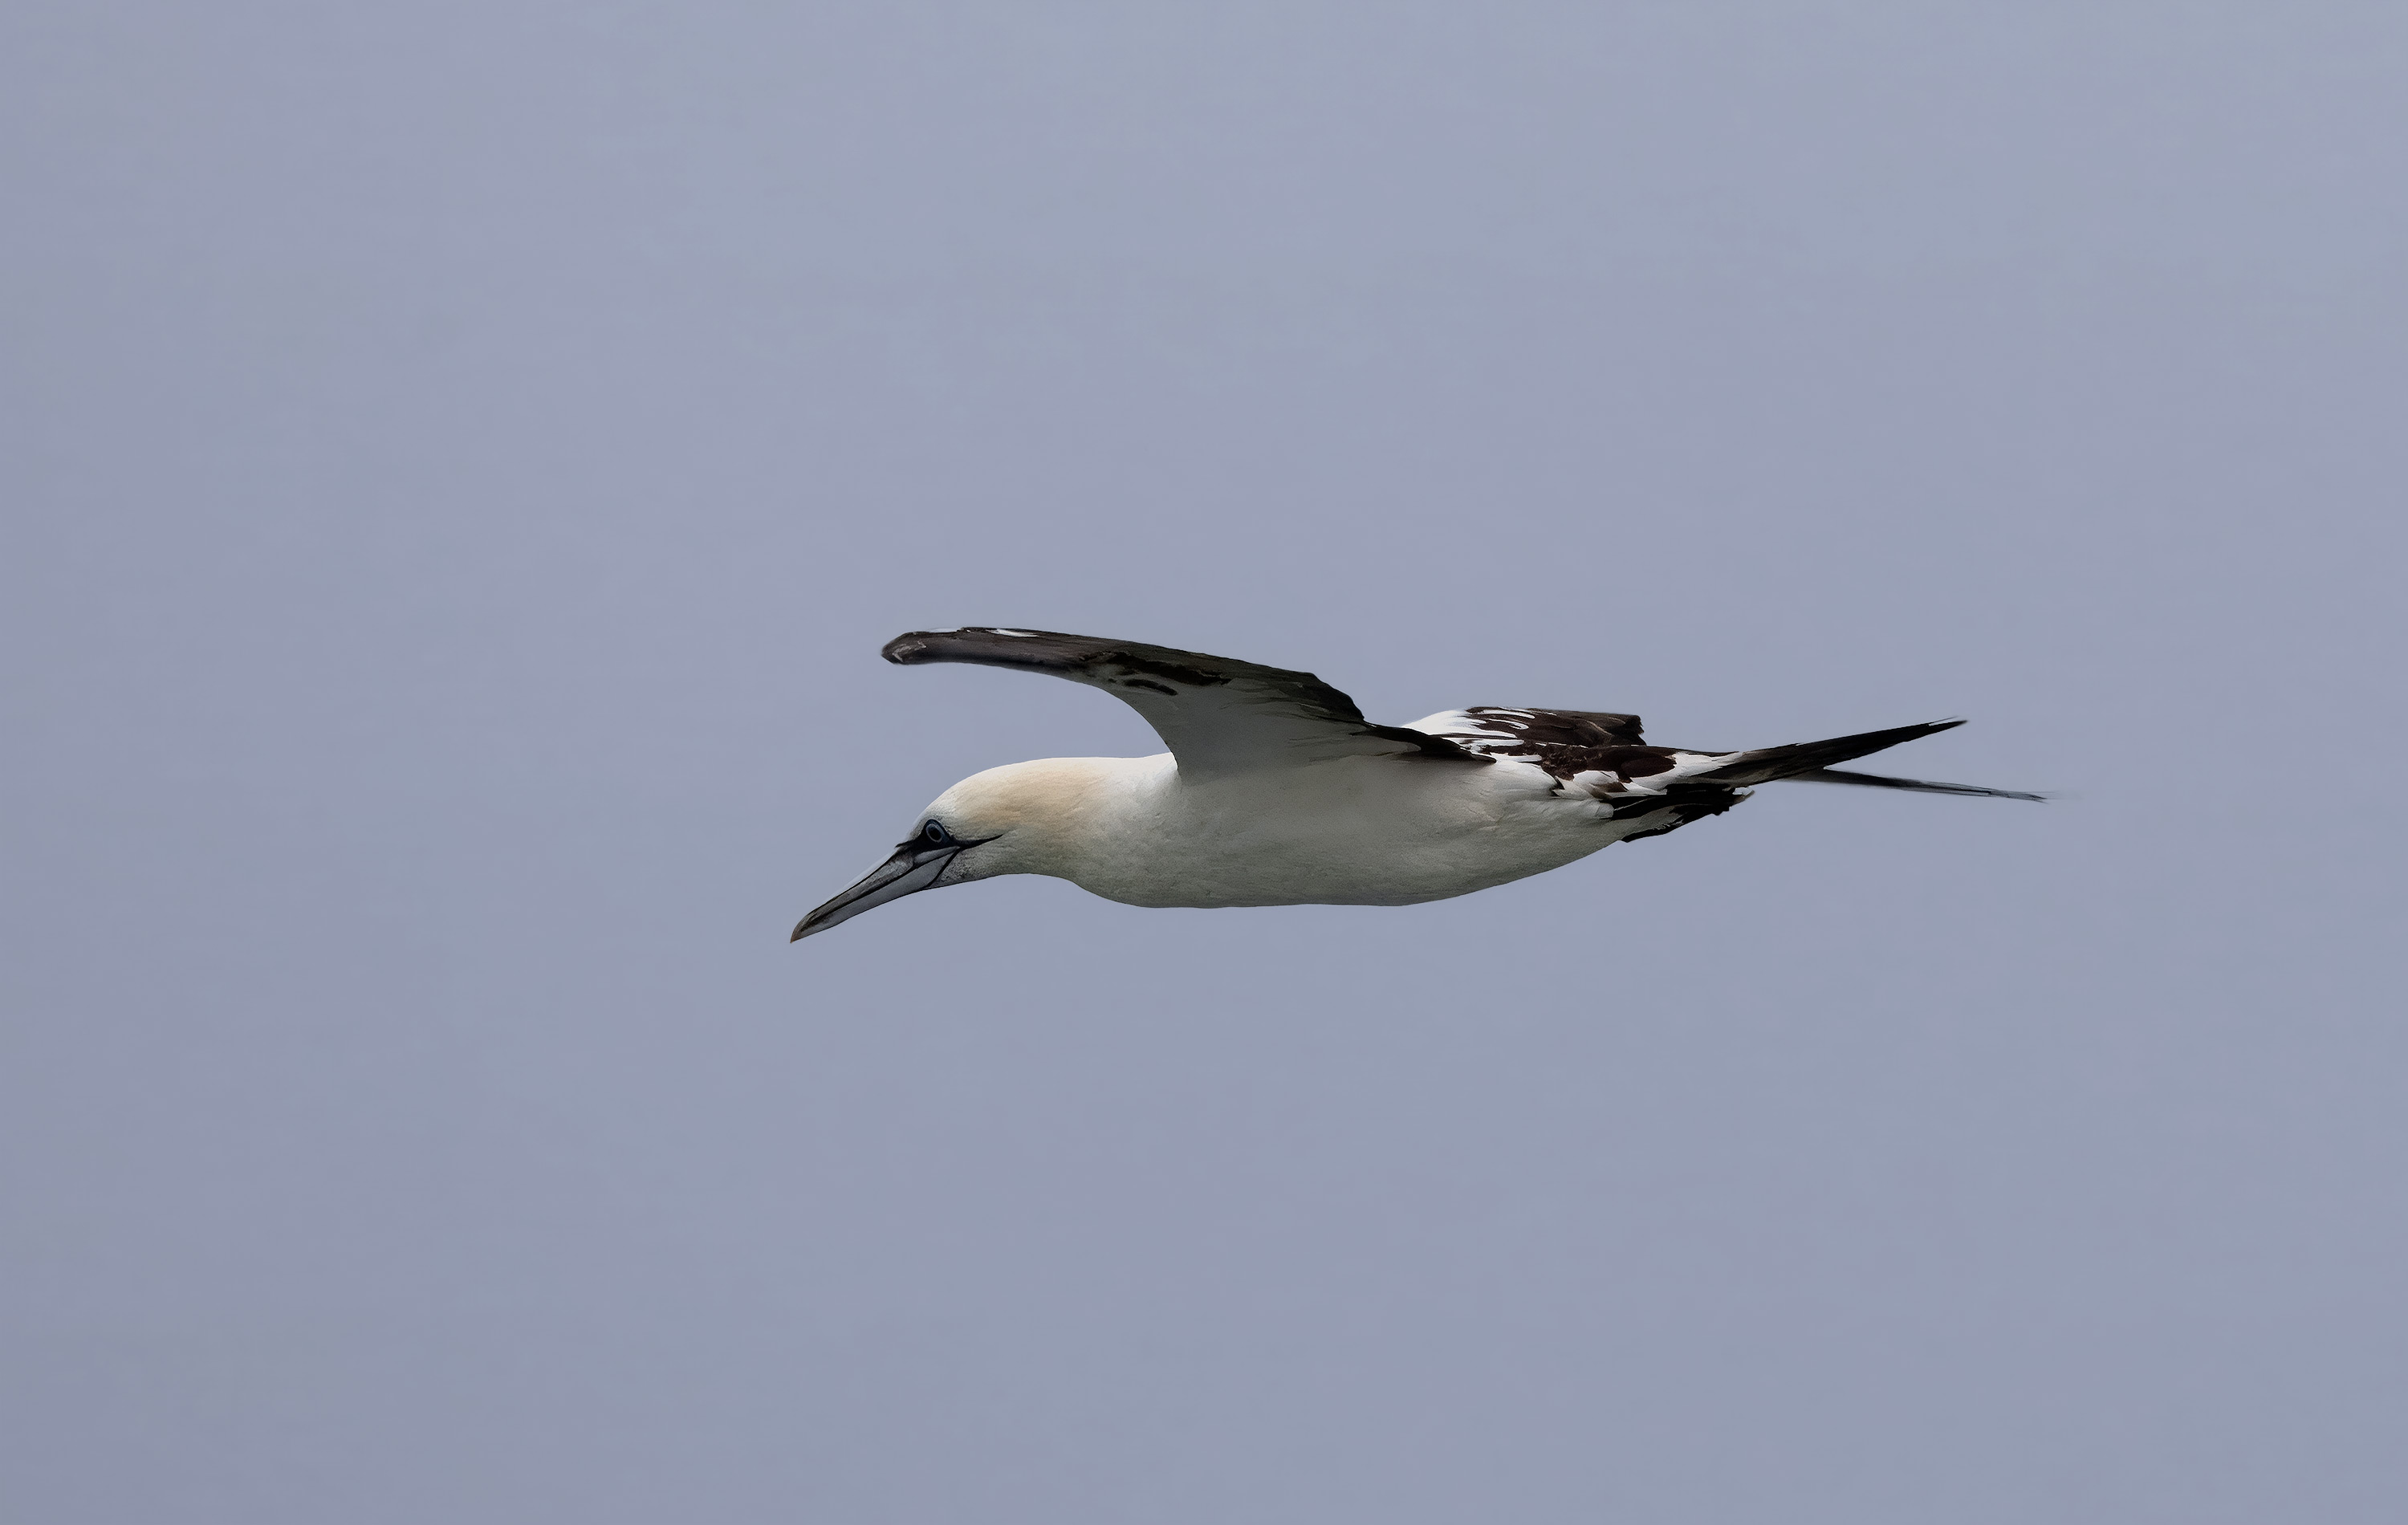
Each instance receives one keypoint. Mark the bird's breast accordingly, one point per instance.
(1367, 831)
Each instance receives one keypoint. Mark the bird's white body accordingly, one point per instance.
(1346, 832)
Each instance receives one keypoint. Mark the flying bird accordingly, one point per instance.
(1276, 791)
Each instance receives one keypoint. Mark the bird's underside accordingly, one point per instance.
(1278, 791)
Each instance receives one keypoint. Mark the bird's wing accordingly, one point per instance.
(1217, 715)
(1586, 751)
(1562, 742)
(1592, 752)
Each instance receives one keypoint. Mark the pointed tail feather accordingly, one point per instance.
(1769, 763)
(1877, 781)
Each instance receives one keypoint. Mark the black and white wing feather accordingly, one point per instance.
(1606, 755)
(1567, 744)
(1600, 756)
(1216, 714)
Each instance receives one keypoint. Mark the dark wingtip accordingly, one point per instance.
(976, 643)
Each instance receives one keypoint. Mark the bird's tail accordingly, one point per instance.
(1811, 762)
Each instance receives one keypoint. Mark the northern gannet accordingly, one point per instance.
(1276, 791)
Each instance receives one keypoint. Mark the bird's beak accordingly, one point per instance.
(911, 869)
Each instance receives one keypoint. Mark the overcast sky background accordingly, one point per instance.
(462, 461)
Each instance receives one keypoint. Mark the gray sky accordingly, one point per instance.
(462, 461)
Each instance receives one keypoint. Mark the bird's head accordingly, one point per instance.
(1005, 820)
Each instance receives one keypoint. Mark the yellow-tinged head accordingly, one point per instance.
(1026, 817)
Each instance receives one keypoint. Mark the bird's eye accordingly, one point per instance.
(933, 834)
